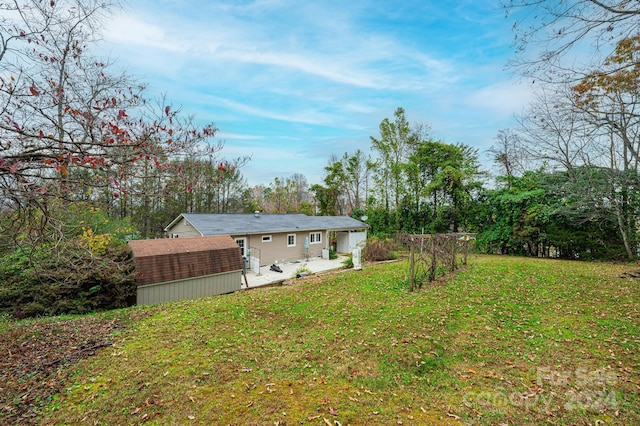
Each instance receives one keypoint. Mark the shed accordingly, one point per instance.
(186, 268)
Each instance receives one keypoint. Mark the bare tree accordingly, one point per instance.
(66, 121)
(508, 153)
(594, 140)
(549, 32)
(553, 132)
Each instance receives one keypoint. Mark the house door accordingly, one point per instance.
(242, 243)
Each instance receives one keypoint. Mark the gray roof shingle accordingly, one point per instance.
(241, 224)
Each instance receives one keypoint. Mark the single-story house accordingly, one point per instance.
(186, 268)
(272, 238)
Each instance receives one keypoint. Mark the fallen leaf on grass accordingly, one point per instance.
(146, 404)
(453, 416)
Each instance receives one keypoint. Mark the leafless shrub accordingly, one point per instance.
(377, 250)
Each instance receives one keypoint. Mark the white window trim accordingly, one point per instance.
(267, 238)
(294, 240)
(319, 241)
(243, 248)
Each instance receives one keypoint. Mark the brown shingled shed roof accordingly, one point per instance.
(172, 259)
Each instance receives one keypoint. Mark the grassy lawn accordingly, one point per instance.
(505, 341)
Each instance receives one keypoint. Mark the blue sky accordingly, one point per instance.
(292, 82)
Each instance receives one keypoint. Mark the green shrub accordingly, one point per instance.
(33, 309)
(302, 271)
(348, 262)
(332, 254)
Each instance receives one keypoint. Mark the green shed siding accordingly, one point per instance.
(189, 288)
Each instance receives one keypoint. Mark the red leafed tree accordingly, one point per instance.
(68, 124)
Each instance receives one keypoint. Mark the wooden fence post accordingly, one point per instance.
(412, 261)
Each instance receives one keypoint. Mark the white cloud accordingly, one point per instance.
(348, 57)
(232, 136)
(292, 82)
(307, 116)
(129, 30)
(504, 98)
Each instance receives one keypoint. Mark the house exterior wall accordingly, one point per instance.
(347, 241)
(183, 229)
(277, 250)
(189, 288)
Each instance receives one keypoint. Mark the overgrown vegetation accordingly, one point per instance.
(547, 214)
(87, 269)
(380, 249)
(506, 341)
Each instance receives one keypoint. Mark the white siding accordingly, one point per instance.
(347, 241)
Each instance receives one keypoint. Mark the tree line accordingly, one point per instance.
(568, 182)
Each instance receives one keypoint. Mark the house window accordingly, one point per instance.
(291, 240)
(266, 238)
(242, 243)
(315, 237)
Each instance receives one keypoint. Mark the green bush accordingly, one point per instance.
(302, 271)
(333, 254)
(348, 262)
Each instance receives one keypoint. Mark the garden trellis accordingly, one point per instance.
(431, 255)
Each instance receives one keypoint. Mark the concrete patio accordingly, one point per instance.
(289, 270)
